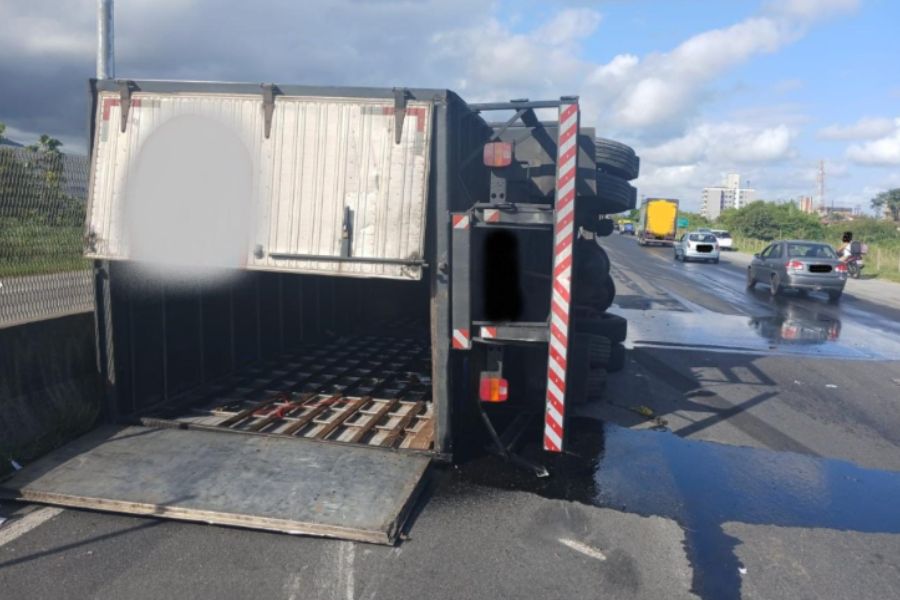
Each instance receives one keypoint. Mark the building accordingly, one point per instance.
(806, 205)
(839, 213)
(729, 195)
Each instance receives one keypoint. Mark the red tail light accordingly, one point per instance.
(789, 332)
(794, 265)
(841, 268)
(493, 388)
(498, 154)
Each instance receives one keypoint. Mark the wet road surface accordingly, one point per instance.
(782, 414)
(751, 448)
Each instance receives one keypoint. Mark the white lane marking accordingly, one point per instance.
(371, 589)
(292, 586)
(346, 555)
(582, 548)
(20, 527)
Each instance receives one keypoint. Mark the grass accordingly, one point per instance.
(882, 261)
(34, 249)
(748, 245)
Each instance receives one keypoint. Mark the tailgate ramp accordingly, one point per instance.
(272, 483)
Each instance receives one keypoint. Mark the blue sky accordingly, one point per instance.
(763, 88)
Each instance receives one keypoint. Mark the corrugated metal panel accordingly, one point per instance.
(324, 155)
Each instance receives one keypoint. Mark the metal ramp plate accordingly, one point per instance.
(260, 482)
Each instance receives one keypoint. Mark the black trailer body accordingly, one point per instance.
(348, 343)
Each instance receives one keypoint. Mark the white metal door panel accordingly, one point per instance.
(323, 156)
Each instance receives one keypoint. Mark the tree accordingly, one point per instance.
(767, 221)
(888, 203)
(47, 146)
(695, 220)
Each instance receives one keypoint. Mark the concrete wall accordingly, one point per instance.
(49, 386)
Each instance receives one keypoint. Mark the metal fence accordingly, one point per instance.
(43, 195)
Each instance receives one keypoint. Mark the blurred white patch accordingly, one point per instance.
(188, 201)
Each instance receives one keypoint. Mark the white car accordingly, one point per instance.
(696, 245)
(725, 241)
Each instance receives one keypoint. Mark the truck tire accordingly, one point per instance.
(594, 296)
(616, 358)
(595, 385)
(599, 351)
(608, 325)
(593, 261)
(614, 194)
(616, 158)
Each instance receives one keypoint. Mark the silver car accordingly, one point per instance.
(697, 245)
(798, 265)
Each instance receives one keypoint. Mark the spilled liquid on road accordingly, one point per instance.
(790, 332)
(702, 486)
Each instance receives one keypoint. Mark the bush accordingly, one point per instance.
(766, 221)
(871, 231)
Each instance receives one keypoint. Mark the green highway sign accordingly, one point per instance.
(682, 222)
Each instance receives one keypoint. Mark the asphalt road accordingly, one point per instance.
(768, 468)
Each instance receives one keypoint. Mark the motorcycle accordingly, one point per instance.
(855, 265)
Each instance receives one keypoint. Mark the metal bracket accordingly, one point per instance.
(401, 95)
(125, 89)
(268, 93)
(506, 449)
(347, 232)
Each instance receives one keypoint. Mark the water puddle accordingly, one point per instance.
(702, 486)
(793, 330)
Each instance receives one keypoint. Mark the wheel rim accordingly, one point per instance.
(773, 285)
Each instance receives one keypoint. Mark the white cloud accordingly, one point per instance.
(883, 152)
(724, 143)
(810, 10)
(867, 128)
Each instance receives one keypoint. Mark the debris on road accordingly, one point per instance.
(644, 411)
(582, 548)
(647, 413)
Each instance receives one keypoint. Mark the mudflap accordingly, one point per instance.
(289, 485)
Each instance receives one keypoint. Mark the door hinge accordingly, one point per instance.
(125, 89)
(401, 95)
(269, 91)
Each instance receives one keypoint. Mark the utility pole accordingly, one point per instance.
(106, 66)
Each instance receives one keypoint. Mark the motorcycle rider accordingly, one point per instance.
(844, 250)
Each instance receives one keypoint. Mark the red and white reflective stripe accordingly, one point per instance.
(492, 215)
(460, 221)
(461, 339)
(564, 233)
(489, 333)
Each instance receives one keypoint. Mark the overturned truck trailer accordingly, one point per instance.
(305, 295)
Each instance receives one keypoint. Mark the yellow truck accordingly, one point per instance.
(657, 222)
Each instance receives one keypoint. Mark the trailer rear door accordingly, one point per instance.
(260, 482)
(293, 183)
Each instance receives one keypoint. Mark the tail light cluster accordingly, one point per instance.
(498, 154)
(840, 268)
(794, 265)
(493, 387)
